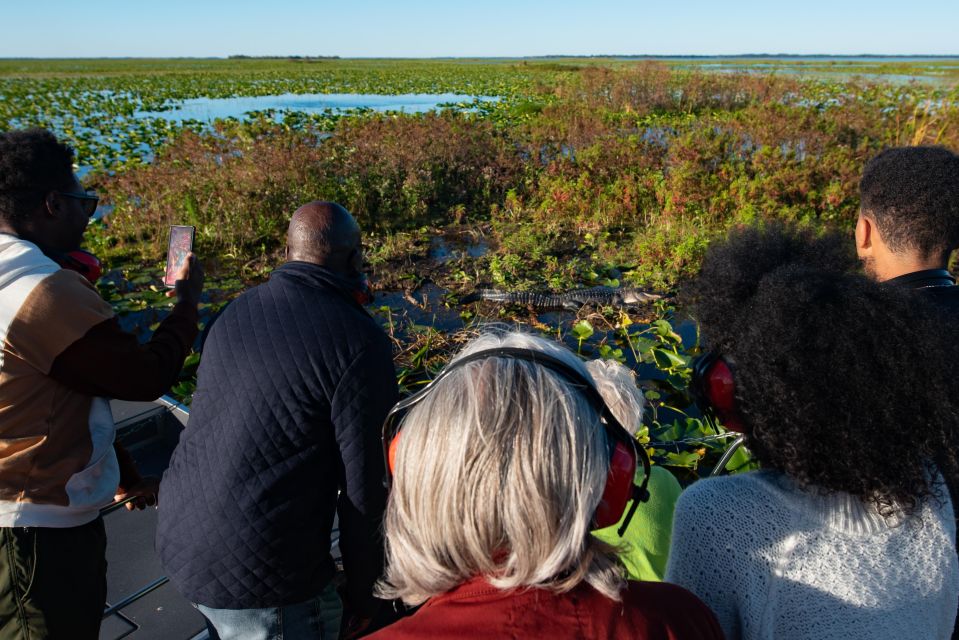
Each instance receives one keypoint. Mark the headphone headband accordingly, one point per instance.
(611, 425)
(516, 353)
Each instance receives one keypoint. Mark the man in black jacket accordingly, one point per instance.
(295, 382)
(909, 221)
(909, 225)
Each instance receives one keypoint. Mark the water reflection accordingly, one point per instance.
(209, 109)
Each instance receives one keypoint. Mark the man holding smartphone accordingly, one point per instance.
(295, 382)
(63, 356)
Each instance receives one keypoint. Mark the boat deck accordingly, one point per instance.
(149, 431)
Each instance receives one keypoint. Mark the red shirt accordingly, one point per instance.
(476, 609)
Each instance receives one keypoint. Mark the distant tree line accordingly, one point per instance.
(240, 56)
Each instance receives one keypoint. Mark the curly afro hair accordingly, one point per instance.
(912, 193)
(842, 383)
(32, 163)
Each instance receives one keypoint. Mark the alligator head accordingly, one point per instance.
(630, 297)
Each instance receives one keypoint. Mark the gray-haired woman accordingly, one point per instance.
(499, 471)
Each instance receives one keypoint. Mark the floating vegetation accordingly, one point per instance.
(584, 172)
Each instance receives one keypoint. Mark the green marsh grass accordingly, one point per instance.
(585, 172)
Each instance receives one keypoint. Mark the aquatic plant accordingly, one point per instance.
(584, 172)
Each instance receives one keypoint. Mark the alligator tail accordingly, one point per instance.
(529, 298)
(568, 300)
(490, 295)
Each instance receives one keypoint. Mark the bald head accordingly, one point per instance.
(325, 233)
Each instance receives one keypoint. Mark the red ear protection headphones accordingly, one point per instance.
(83, 262)
(625, 453)
(363, 294)
(714, 390)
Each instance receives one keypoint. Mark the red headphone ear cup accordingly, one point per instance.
(83, 262)
(391, 454)
(721, 391)
(619, 486)
(91, 265)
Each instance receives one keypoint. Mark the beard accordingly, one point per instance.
(869, 266)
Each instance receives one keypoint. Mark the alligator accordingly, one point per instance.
(571, 300)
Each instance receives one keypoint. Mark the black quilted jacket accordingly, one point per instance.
(938, 285)
(295, 381)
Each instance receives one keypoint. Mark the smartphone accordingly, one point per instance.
(181, 243)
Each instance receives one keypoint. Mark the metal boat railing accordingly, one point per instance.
(720, 466)
(182, 414)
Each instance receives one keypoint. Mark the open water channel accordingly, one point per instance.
(209, 109)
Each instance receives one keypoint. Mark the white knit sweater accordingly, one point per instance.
(773, 561)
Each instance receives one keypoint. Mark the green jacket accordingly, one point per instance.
(645, 544)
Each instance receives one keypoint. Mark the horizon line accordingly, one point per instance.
(241, 56)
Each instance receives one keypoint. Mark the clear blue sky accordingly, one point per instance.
(426, 28)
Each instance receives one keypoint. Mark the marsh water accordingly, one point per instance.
(933, 70)
(209, 109)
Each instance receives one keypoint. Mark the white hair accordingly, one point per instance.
(499, 471)
(617, 384)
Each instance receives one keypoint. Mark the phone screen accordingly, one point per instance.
(181, 243)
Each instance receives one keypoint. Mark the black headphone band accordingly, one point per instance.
(527, 355)
(702, 362)
(611, 425)
(701, 366)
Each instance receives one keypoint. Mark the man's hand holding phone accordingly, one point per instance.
(183, 271)
(189, 281)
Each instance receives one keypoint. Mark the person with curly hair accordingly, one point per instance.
(63, 356)
(842, 392)
(909, 220)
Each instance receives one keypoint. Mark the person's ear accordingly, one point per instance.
(356, 260)
(51, 205)
(286, 253)
(865, 235)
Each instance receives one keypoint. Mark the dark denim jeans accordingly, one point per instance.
(318, 618)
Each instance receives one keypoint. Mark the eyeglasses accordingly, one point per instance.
(88, 200)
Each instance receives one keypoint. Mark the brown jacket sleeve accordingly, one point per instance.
(111, 363)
